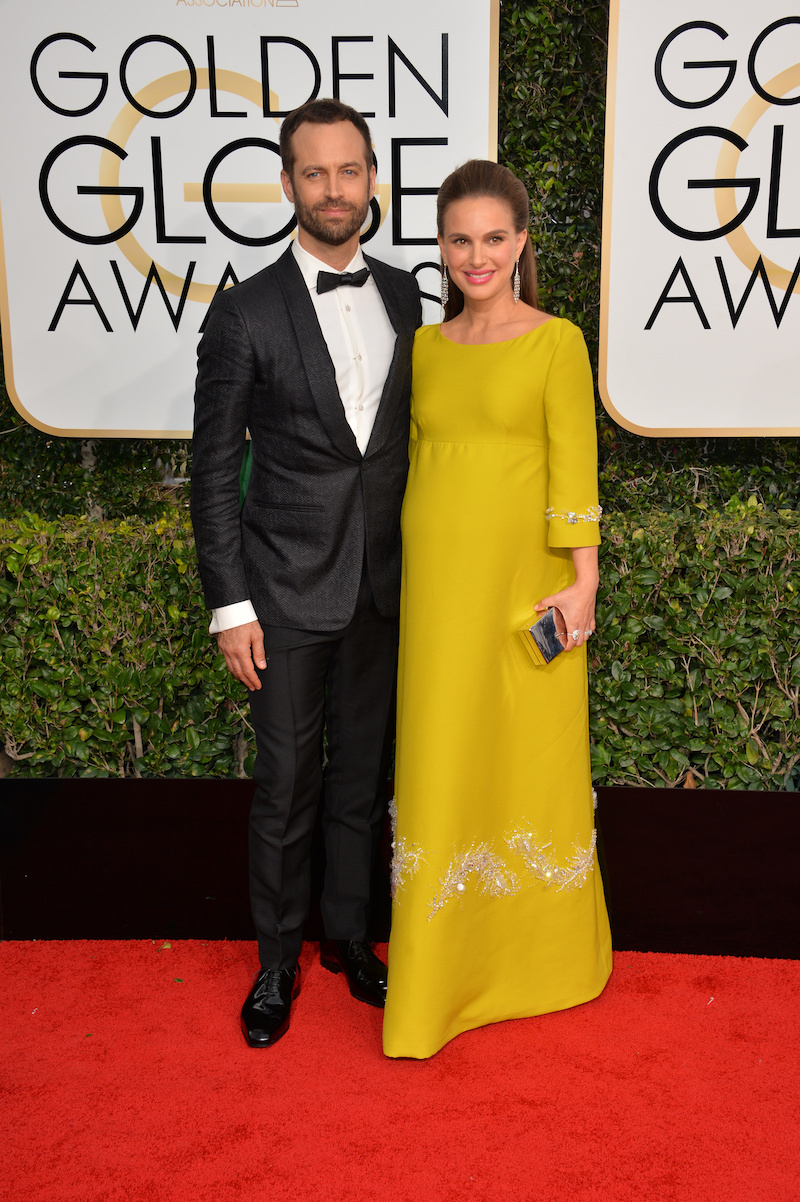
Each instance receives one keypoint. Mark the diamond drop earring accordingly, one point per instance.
(516, 283)
(445, 285)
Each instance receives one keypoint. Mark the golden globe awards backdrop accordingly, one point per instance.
(139, 172)
(700, 324)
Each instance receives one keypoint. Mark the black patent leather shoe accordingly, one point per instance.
(266, 1012)
(366, 974)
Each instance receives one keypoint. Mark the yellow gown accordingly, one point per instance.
(498, 907)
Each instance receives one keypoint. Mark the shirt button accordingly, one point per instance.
(359, 358)
(360, 407)
(347, 308)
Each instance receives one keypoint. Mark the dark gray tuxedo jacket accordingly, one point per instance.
(314, 502)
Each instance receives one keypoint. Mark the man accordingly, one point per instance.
(313, 356)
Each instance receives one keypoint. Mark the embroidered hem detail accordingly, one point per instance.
(407, 857)
(491, 874)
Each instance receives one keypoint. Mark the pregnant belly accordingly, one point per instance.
(467, 492)
(475, 536)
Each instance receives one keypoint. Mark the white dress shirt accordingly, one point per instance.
(360, 340)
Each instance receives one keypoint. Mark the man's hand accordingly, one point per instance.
(243, 646)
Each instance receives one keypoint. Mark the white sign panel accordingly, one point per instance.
(139, 173)
(700, 328)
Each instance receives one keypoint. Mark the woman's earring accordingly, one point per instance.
(445, 286)
(516, 283)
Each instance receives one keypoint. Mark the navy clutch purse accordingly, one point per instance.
(546, 638)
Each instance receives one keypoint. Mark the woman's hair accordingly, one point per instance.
(480, 177)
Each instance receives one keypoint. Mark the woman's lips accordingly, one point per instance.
(478, 277)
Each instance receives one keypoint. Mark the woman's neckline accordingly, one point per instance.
(501, 341)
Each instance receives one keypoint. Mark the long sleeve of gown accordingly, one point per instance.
(573, 513)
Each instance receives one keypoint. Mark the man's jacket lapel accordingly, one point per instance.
(316, 358)
(392, 389)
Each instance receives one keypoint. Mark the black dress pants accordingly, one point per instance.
(346, 679)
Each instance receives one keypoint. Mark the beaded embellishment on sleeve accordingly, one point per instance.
(592, 514)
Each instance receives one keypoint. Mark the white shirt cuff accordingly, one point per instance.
(227, 616)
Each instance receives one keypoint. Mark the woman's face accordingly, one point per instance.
(480, 246)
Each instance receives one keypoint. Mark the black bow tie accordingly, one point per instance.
(328, 280)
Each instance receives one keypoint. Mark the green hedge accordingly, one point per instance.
(107, 667)
(695, 669)
(696, 672)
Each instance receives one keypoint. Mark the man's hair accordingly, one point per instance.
(321, 112)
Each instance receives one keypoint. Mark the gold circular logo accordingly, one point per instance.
(744, 124)
(123, 126)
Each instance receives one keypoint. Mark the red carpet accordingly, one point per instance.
(125, 1077)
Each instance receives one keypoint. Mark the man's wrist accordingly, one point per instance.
(224, 617)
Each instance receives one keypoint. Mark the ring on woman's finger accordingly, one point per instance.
(576, 634)
(586, 633)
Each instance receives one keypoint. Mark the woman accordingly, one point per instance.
(499, 910)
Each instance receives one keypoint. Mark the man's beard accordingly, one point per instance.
(332, 232)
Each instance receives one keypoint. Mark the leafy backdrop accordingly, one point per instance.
(105, 661)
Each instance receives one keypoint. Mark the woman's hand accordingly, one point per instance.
(576, 602)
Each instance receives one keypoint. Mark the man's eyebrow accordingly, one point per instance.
(321, 167)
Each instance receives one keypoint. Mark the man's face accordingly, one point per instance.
(330, 186)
